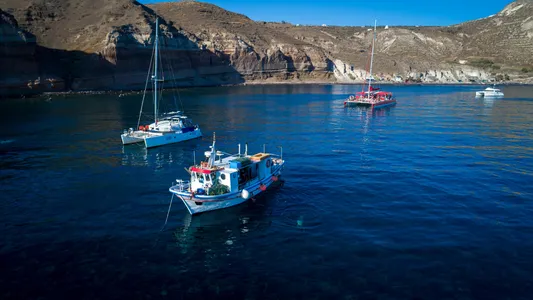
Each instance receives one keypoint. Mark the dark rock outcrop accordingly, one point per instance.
(17, 56)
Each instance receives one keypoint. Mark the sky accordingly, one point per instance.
(358, 13)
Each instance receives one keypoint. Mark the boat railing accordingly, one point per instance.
(181, 185)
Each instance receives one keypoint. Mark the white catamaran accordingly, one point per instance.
(490, 92)
(224, 182)
(168, 128)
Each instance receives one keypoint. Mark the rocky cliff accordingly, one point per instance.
(17, 50)
(103, 45)
(107, 45)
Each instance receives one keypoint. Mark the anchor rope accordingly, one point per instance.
(168, 213)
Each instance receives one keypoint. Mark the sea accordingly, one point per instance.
(429, 199)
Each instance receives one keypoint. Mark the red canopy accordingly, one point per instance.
(204, 171)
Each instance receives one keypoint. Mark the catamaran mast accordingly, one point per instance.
(155, 69)
(372, 58)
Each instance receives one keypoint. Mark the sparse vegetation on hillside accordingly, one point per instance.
(482, 63)
(202, 35)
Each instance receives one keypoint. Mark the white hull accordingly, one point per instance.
(202, 203)
(194, 208)
(489, 95)
(130, 139)
(170, 138)
(154, 139)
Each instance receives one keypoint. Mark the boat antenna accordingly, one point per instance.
(194, 157)
(246, 149)
(239, 149)
(212, 157)
(372, 58)
(155, 68)
(264, 148)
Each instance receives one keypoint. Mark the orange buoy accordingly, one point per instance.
(263, 187)
(274, 178)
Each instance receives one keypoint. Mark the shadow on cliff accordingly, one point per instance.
(124, 66)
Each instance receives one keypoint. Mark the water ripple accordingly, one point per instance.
(429, 199)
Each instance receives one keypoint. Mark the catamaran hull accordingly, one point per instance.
(151, 140)
(489, 95)
(199, 203)
(171, 138)
(128, 139)
(366, 104)
(385, 104)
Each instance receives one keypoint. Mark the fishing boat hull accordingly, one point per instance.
(196, 204)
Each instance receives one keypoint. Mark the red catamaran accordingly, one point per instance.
(372, 97)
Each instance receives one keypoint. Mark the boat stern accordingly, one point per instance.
(128, 139)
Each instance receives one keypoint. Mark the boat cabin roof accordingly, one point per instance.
(224, 163)
(375, 93)
(492, 89)
(259, 156)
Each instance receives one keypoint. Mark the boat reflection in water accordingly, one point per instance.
(366, 113)
(223, 230)
(138, 156)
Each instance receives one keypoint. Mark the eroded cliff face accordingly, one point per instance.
(260, 50)
(107, 45)
(17, 51)
(251, 48)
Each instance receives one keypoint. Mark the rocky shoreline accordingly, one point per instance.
(94, 46)
(252, 83)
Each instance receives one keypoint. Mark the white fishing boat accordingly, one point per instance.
(228, 180)
(490, 92)
(372, 97)
(167, 128)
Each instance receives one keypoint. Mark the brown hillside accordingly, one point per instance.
(506, 37)
(102, 44)
(76, 25)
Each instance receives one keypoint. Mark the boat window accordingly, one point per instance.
(200, 178)
(223, 176)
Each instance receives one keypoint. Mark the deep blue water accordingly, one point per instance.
(430, 199)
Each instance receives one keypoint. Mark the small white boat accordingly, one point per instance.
(225, 182)
(489, 92)
(171, 127)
